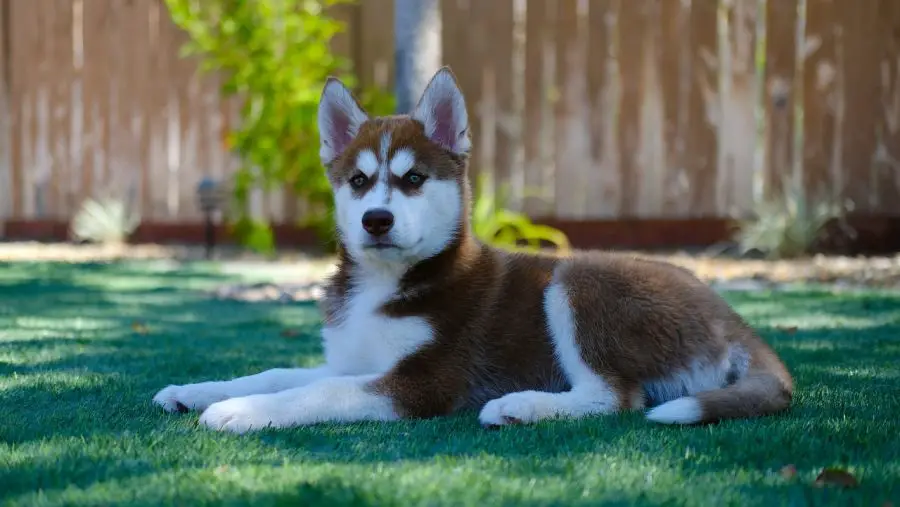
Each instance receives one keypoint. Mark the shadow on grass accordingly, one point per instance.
(77, 399)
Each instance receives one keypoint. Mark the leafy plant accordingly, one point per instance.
(788, 225)
(497, 225)
(106, 221)
(274, 55)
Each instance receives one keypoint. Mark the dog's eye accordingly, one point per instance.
(358, 181)
(413, 178)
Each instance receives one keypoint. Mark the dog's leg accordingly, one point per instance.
(591, 393)
(200, 396)
(334, 399)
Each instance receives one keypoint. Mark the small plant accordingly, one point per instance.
(275, 55)
(106, 221)
(787, 226)
(497, 225)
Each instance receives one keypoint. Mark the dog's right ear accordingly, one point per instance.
(340, 117)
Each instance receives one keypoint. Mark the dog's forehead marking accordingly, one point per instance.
(367, 162)
(402, 161)
(384, 147)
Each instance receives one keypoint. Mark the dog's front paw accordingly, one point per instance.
(189, 397)
(240, 415)
(515, 408)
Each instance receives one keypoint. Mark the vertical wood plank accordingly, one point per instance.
(887, 152)
(538, 39)
(158, 173)
(60, 109)
(7, 192)
(117, 146)
(856, 108)
(471, 80)
(45, 192)
(141, 104)
(27, 28)
(675, 78)
(651, 164)
(781, 61)
(572, 118)
(602, 181)
(375, 66)
(96, 99)
(702, 146)
(821, 88)
(497, 81)
(632, 32)
(76, 105)
(737, 99)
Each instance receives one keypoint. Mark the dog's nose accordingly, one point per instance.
(377, 221)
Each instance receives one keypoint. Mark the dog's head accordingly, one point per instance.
(399, 182)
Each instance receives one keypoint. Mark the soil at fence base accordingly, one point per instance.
(871, 235)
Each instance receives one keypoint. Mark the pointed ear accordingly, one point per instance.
(340, 117)
(442, 109)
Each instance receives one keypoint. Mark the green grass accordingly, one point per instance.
(77, 426)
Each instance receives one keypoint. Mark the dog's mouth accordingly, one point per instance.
(381, 246)
(386, 244)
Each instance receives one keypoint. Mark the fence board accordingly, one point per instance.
(7, 192)
(852, 170)
(781, 61)
(538, 44)
(602, 181)
(887, 153)
(821, 88)
(702, 146)
(571, 117)
(499, 93)
(633, 26)
(737, 101)
(675, 78)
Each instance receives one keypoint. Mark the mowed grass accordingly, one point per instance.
(83, 348)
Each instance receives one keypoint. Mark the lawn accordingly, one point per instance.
(83, 348)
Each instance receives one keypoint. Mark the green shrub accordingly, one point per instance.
(788, 225)
(274, 55)
(495, 224)
(107, 222)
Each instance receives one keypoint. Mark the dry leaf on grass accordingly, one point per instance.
(836, 477)
(788, 329)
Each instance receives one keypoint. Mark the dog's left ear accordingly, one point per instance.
(442, 109)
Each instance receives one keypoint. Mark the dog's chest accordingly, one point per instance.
(366, 341)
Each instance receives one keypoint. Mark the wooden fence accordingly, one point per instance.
(611, 108)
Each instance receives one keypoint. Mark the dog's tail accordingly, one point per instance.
(764, 390)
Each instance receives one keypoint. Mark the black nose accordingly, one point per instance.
(377, 221)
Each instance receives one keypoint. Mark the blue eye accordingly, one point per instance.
(413, 178)
(358, 181)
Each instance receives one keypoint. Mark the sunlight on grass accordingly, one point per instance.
(77, 425)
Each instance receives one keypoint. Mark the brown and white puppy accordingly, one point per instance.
(421, 319)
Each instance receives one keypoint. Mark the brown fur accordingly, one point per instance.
(638, 321)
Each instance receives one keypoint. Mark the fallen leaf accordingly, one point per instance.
(789, 471)
(836, 477)
(139, 327)
(788, 329)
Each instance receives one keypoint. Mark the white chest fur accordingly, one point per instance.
(366, 341)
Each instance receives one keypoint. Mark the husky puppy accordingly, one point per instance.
(421, 319)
